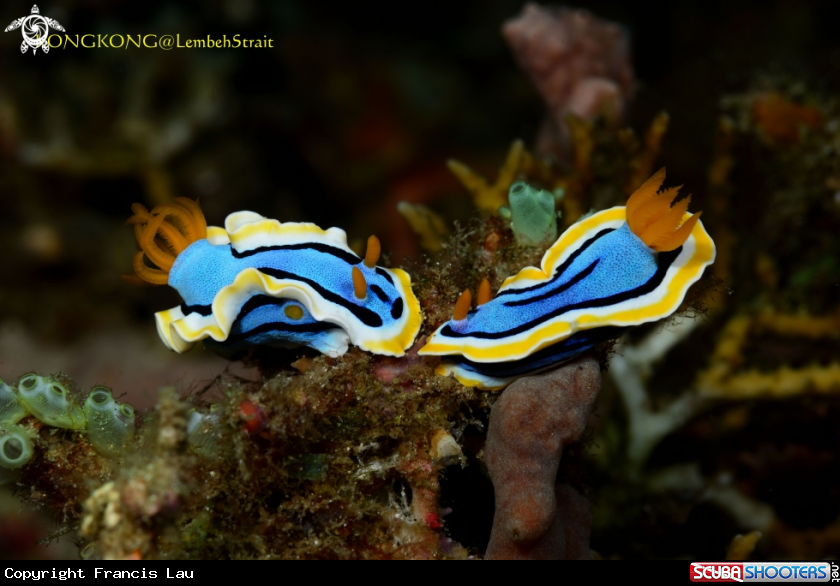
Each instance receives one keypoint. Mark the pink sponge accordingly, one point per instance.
(530, 424)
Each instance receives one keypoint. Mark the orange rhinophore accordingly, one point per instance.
(484, 294)
(654, 220)
(359, 284)
(374, 249)
(162, 235)
(462, 306)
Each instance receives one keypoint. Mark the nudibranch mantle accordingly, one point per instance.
(598, 278)
(293, 278)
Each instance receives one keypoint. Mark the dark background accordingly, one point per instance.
(354, 109)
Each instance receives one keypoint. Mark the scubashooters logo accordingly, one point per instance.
(799, 572)
(35, 29)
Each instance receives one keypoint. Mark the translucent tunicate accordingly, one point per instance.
(49, 401)
(87, 551)
(532, 214)
(15, 447)
(110, 425)
(204, 432)
(11, 410)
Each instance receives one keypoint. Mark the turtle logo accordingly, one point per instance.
(35, 29)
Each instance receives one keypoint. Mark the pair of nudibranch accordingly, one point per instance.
(108, 424)
(259, 281)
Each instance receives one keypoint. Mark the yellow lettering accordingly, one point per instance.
(83, 42)
(50, 43)
(148, 46)
(130, 40)
(111, 41)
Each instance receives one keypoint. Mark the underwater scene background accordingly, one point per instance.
(710, 433)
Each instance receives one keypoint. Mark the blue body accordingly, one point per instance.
(611, 267)
(202, 269)
(607, 266)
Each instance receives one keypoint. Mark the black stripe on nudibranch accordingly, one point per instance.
(384, 274)
(379, 293)
(561, 269)
(347, 257)
(663, 261)
(280, 327)
(397, 308)
(258, 301)
(204, 310)
(247, 307)
(363, 314)
(564, 287)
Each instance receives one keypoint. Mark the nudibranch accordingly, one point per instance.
(259, 281)
(618, 268)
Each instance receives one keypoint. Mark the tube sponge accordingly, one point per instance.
(15, 447)
(11, 411)
(48, 400)
(110, 424)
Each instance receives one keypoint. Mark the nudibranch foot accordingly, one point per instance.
(497, 375)
(615, 269)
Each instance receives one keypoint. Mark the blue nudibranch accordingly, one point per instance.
(257, 281)
(618, 268)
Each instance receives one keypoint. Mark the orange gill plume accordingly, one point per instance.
(161, 235)
(654, 220)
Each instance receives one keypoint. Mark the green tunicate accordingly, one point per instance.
(11, 410)
(532, 214)
(204, 432)
(15, 447)
(110, 425)
(48, 400)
